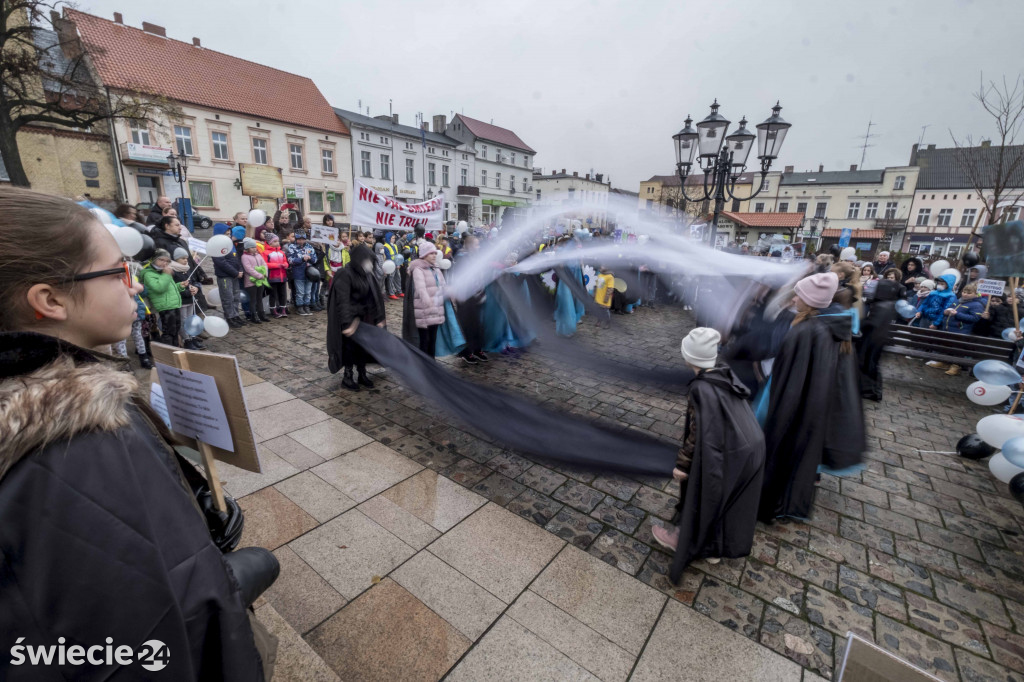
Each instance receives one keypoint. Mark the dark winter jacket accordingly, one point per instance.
(1000, 317)
(968, 313)
(229, 265)
(99, 533)
(295, 254)
(718, 505)
(354, 294)
(169, 243)
(907, 275)
(155, 214)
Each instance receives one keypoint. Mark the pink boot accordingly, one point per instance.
(666, 537)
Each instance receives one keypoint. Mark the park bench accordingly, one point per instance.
(960, 349)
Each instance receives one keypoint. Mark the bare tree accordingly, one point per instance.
(51, 82)
(994, 169)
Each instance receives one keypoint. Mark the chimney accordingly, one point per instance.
(426, 126)
(575, 174)
(931, 146)
(440, 123)
(118, 19)
(563, 171)
(394, 118)
(821, 168)
(195, 41)
(600, 177)
(789, 169)
(54, 17)
(853, 166)
(588, 176)
(154, 29)
(984, 144)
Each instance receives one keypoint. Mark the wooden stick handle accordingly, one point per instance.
(209, 462)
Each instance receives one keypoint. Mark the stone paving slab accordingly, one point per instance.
(921, 547)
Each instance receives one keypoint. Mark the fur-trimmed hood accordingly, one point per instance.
(60, 391)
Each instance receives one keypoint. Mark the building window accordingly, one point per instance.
(513, 157)
(764, 185)
(497, 155)
(945, 217)
(316, 201)
(327, 161)
(337, 203)
(784, 207)
(259, 151)
(365, 162)
(954, 252)
(968, 218)
(759, 207)
(483, 178)
(853, 212)
(512, 183)
(872, 211)
(140, 135)
(201, 194)
(923, 215)
(890, 210)
(526, 162)
(183, 139)
(410, 170)
(220, 146)
(299, 203)
(483, 151)
(464, 177)
(295, 155)
(1011, 213)
(819, 209)
(432, 174)
(802, 208)
(497, 180)
(901, 180)
(538, 196)
(385, 166)
(572, 195)
(524, 184)
(444, 176)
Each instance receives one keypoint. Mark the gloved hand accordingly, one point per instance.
(225, 527)
(255, 569)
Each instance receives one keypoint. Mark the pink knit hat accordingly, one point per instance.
(817, 290)
(426, 248)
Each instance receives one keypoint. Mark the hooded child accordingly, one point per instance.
(720, 464)
(931, 311)
(875, 334)
(353, 299)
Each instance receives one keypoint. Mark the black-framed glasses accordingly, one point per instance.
(125, 271)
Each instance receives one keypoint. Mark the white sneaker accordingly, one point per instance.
(937, 365)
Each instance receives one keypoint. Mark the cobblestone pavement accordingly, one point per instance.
(921, 552)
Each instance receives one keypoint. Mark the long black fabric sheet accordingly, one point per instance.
(516, 422)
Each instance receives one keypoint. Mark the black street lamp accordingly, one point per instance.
(179, 167)
(723, 165)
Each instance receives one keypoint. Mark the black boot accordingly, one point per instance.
(146, 361)
(363, 379)
(263, 316)
(347, 382)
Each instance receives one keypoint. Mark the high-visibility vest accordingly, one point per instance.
(392, 251)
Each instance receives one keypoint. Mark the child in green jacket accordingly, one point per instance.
(164, 295)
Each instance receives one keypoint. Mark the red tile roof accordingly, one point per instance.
(857, 234)
(494, 133)
(765, 219)
(128, 58)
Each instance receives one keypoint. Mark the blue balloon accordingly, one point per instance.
(996, 372)
(399, 259)
(905, 310)
(1013, 451)
(193, 326)
(244, 298)
(1009, 334)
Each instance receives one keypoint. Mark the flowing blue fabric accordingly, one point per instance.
(528, 333)
(568, 311)
(497, 331)
(449, 336)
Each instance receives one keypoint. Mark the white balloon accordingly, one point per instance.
(219, 245)
(952, 271)
(938, 267)
(389, 267)
(462, 226)
(981, 393)
(128, 239)
(215, 326)
(1002, 469)
(256, 218)
(102, 216)
(213, 296)
(996, 429)
(444, 264)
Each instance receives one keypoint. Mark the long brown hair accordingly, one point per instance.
(803, 312)
(46, 240)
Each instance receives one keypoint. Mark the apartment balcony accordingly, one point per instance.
(467, 191)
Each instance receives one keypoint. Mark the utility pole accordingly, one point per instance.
(864, 147)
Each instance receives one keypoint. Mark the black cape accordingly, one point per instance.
(718, 509)
(845, 440)
(875, 331)
(797, 420)
(353, 294)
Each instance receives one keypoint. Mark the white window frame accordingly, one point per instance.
(853, 211)
(385, 166)
(891, 209)
(444, 176)
(524, 184)
(900, 182)
(338, 205)
(968, 217)
(327, 161)
(297, 150)
(140, 134)
(183, 140)
(759, 207)
(191, 195)
(497, 180)
(218, 144)
(944, 218)
(512, 158)
(464, 177)
(258, 151)
(820, 209)
(410, 170)
(804, 210)
(432, 174)
(923, 216)
(871, 212)
(366, 164)
(483, 177)
(309, 198)
(784, 207)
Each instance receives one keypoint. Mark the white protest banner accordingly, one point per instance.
(991, 287)
(197, 245)
(372, 209)
(321, 234)
(194, 406)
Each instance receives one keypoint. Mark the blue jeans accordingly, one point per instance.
(302, 289)
(314, 293)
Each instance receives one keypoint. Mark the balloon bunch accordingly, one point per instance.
(998, 435)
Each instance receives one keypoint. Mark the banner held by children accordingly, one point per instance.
(371, 209)
(321, 234)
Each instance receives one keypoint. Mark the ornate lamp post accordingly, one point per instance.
(179, 167)
(722, 165)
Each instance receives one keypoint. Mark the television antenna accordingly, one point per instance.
(864, 147)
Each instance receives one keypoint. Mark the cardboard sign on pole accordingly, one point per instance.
(991, 287)
(224, 371)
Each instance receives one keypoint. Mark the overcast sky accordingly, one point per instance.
(594, 84)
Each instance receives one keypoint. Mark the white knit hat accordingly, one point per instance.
(700, 347)
(927, 284)
(849, 253)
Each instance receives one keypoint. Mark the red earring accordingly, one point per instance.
(40, 316)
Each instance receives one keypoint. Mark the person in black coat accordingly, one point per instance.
(354, 297)
(876, 329)
(101, 533)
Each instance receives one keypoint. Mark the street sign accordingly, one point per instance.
(844, 237)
